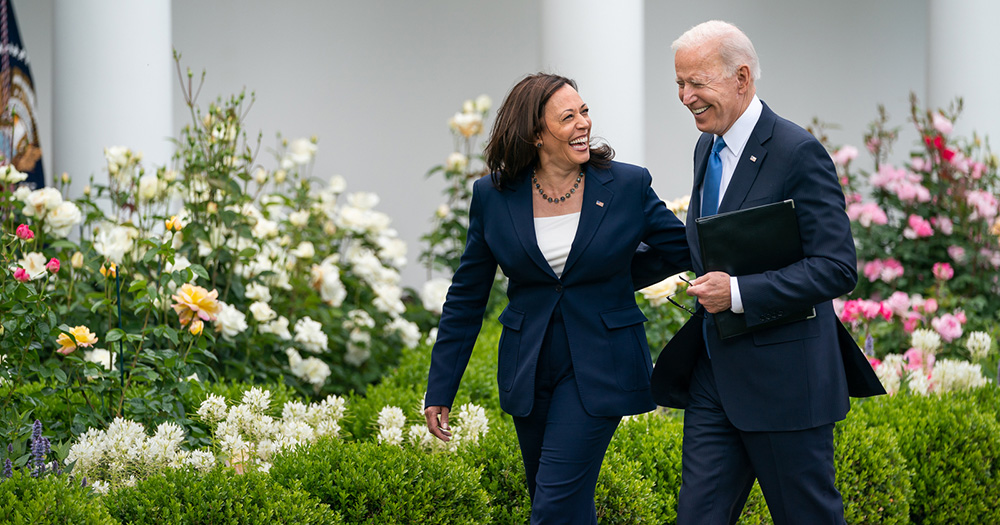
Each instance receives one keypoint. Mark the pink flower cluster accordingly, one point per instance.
(984, 205)
(886, 270)
(857, 310)
(904, 184)
(866, 214)
(844, 155)
(918, 227)
(913, 311)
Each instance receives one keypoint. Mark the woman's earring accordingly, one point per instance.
(538, 144)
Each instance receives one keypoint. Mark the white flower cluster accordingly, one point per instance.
(249, 437)
(47, 206)
(947, 375)
(470, 424)
(123, 453)
(927, 340)
(979, 345)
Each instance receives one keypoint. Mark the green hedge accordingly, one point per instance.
(26, 500)
(219, 496)
(371, 483)
(952, 447)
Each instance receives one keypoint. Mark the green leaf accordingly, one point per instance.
(199, 270)
(114, 335)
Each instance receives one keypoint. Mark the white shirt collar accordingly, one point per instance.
(739, 133)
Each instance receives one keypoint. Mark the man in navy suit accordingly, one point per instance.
(760, 405)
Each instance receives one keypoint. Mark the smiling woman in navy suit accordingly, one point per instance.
(563, 222)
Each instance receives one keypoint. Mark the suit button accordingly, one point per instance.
(559, 288)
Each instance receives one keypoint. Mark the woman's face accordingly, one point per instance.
(565, 135)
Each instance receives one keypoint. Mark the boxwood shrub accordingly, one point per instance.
(371, 483)
(26, 500)
(218, 496)
(952, 446)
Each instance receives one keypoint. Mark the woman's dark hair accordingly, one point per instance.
(511, 146)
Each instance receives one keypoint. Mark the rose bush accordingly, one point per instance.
(926, 307)
(224, 264)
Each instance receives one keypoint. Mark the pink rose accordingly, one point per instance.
(941, 124)
(899, 303)
(948, 326)
(943, 271)
(22, 275)
(873, 144)
(983, 203)
(891, 269)
(930, 306)
(957, 253)
(977, 170)
(911, 323)
(960, 315)
(874, 362)
(943, 224)
(920, 164)
(866, 214)
(872, 270)
(918, 228)
(53, 265)
(24, 233)
(916, 359)
(844, 155)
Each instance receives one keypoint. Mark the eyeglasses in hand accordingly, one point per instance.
(681, 306)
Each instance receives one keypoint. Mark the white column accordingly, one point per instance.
(601, 46)
(962, 58)
(113, 85)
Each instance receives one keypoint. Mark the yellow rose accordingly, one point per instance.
(79, 336)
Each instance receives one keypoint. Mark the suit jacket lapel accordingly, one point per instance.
(596, 201)
(522, 215)
(749, 163)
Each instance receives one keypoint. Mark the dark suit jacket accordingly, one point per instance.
(607, 341)
(788, 377)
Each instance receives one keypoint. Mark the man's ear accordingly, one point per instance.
(743, 77)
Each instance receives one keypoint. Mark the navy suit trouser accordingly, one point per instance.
(561, 444)
(720, 463)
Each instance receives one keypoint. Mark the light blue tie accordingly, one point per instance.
(713, 180)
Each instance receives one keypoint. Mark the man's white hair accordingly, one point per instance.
(735, 48)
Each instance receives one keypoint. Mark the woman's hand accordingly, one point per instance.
(437, 422)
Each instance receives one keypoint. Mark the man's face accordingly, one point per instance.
(713, 95)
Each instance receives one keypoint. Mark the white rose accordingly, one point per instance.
(310, 334)
(39, 202)
(21, 194)
(304, 250)
(392, 250)
(150, 188)
(10, 175)
(262, 312)
(101, 357)
(61, 219)
(231, 322)
(483, 103)
(433, 294)
(407, 331)
(456, 162)
(114, 242)
(260, 176)
(258, 292)
(278, 327)
(301, 151)
(443, 211)
(34, 264)
(363, 200)
(180, 264)
(468, 124)
(299, 218)
(265, 229)
(338, 184)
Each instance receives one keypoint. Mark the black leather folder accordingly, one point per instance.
(750, 241)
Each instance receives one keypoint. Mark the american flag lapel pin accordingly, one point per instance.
(601, 204)
(753, 158)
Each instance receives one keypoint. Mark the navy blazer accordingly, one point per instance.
(595, 293)
(792, 376)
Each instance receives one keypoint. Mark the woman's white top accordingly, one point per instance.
(555, 237)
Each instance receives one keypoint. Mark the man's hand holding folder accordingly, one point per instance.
(745, 242)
